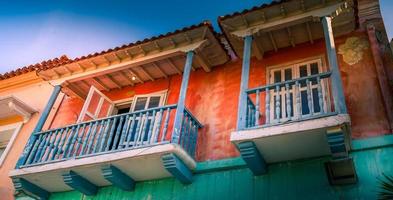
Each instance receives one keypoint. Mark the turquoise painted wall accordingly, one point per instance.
(292, 180)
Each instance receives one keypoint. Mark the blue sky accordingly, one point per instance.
(32, 31)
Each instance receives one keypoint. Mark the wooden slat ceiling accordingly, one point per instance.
(209, 55)
(286, 34)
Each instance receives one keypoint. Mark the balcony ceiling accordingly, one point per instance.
(151, 59)
(287, 24)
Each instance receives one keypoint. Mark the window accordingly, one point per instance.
(290, 72)
(97, 105)
(7, 136)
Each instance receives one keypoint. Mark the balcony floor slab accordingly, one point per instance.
(293, 140)
(140, 164)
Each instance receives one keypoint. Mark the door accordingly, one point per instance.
(144, 102)
(291, 72)
(96, 106)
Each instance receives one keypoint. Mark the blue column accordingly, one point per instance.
(242, 107)
(337, 86)
(40, 124)
(182, 97)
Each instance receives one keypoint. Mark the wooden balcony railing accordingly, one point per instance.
(292, 100)
(115, 133)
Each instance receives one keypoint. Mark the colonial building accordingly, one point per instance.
(292, 101)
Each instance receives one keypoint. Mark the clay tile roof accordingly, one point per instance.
(205, 23)
(265, 5)
(38, 66)
(63, 60)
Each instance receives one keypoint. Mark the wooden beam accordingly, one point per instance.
(282, 10)
(172, 42)
(76, 91)
(257, 48)
(57, 73)
(99, 83)
(160, 70)
(189, 40)
(252, 157)
(117, 57)
(202, 62)
(134, 74)
(124, 75)
(93, 63)
(81, 67)
(273, 41)
(145, 73)
(177, 168)
(290, 36)
(169, 61)
(157, 46)
(21, 184)
(67, 69)
(245, 22)
(141, 48)
(107, 60)
(86, 84)
(118, 178)
(118, 85)
(79, 183)
(128, 54)
(336, 141)
(309, 33)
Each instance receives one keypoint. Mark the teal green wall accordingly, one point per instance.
(292, 180)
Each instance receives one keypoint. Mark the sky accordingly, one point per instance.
(33, 31)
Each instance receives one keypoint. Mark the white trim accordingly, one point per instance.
(162, 94)
(94, 115)
(17, 127)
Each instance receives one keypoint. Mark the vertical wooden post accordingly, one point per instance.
(242, 107)
(337, 86)
(182, 96)
(40, 124)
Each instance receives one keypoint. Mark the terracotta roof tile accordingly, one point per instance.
(265, 5)
(38, 66)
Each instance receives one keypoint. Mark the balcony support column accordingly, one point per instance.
(177, 168)
(40, 124)
(252, 157)
(242, 107)
(337, 85)
(182, 96)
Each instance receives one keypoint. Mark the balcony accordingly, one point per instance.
(296, 121)
(135, 143)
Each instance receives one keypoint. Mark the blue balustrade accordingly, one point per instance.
(287, 101)
(111, 134)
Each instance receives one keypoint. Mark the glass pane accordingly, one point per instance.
(93, 103)
(288, 74)
(277, 76)
(303, 73)
(140, 103)
(314, 68)
(304, 100)
(316, 100)
(303, 70)
(154, 102)
(106, 105)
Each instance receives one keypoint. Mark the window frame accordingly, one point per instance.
(162, 94)
(94, 116)
(16, 127)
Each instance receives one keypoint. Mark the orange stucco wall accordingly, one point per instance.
(28, 93)
(213, 96)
